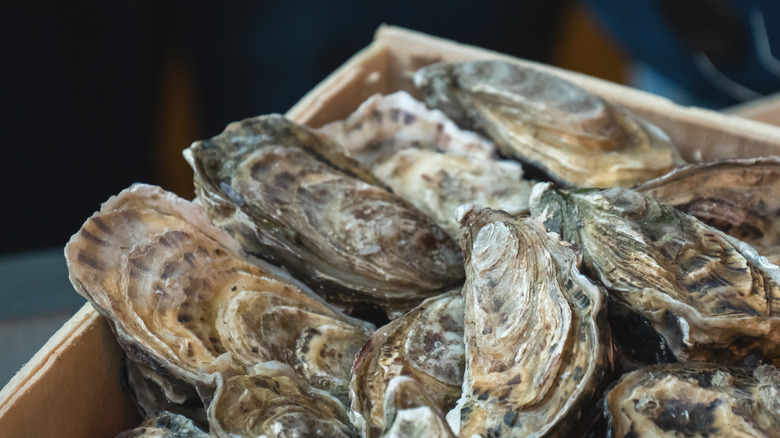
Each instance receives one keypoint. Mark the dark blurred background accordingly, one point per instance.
(96, 95)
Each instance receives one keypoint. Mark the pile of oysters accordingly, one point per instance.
(514, 257)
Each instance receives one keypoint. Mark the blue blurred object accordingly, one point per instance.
(709, 53)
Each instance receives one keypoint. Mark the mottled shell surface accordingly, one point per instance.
(165, 425)
(708, 295)
(537, 343)
(740, 197)
(271, 400)
(425, 158)
(386, 124)
(696, 400)
(577, 138)
(410, 412)
(352, 241)
(425, 344)
(178, 293)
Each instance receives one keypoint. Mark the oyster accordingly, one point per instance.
(271, 401)
(424, 158)
(576, 137)
(537, 344)
(154, 393)
(426, 344)
(354, 242)
(178, 293)
(386, 124)
(740, 197)
(411, 413)
(165, 425)
(701, 400)
(709, 296)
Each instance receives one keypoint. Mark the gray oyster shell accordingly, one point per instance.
(410, 412)
(739, 196)
(271, 400)
(178, 292)
(425, 344)
(701, 400)
(425, 158)
(577, 138)
(152, 392)
(165, 425)
(538, 349)
(265, 181)
(709, 296)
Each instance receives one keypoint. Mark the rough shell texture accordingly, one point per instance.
(425, 344)
(577, 138)
(700, 400)
(709, 296)
(537, 344)
(425, 158)
(272, 401)
(165, 425)
(179, 293)
(740, 197)
(384, 125)
(410, 412)
(152, 392)
(263, 180)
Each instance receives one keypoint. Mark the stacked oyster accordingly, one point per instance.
(568, 305)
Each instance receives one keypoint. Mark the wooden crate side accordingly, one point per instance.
(72, 387)
(363, 75)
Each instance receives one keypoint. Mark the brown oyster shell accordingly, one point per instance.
(709, 296)
(178, 292)
(577, 138)
(425, 158)
(703, 400)
(537, 343)
(425, 344)
(165, 425)
(353, 242)
(739, 196)
(271, 400)
(411, 412)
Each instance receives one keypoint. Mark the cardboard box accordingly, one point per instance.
(72, 387)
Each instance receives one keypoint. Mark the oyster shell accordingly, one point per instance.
(537, 343)
(271, 401)
(165, 425)
(576, 137)
(352, 241)
(740, 197)
(709, 296)
(426, 344)
(424, 158)
(386, 124)
(178, 293)
(153, 393)
(411, 413)
(696, 400)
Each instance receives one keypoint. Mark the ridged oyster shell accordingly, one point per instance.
(425, 344)
(537, 343)
(702, 400)
(165, 425)
(410, 412)
(739, 196)
(709, 296)
(178, 292)
(271, 400)
(425, 158)
(577, 138)
(263, 180)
